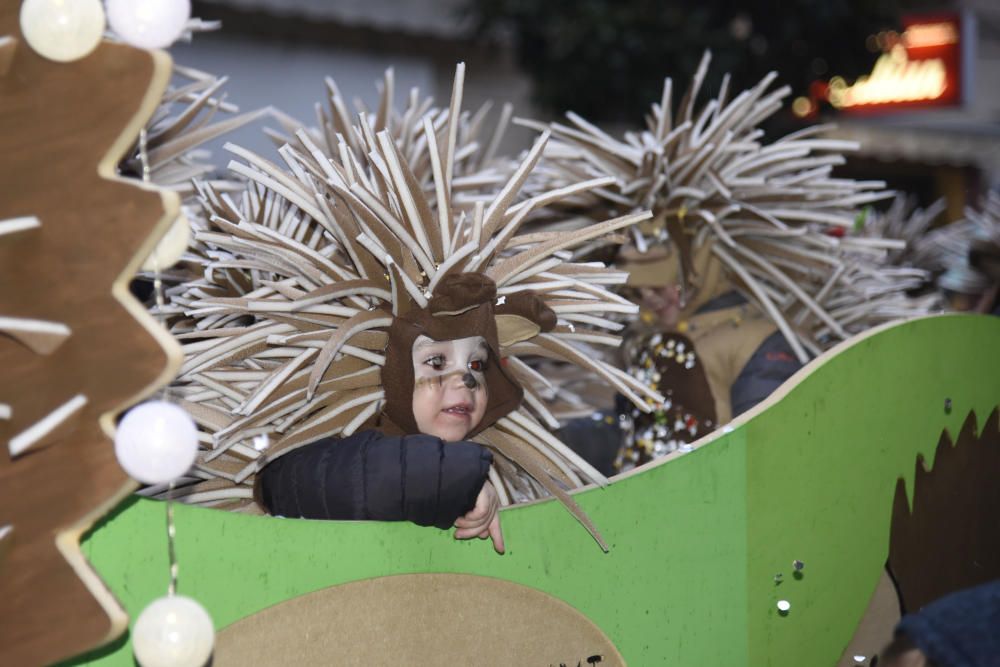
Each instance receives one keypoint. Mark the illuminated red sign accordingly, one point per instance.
(920, 67)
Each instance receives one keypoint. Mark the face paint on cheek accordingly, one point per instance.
(436, 381)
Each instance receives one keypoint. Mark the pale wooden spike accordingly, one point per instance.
(453, 123)
(723, 92)
(498, 132)
(502, 442)
(477, 225)
(342, 120)
(506, 269)
(550, 196)
(364, 126)
(370, 244)
(453, 260)
(571, 354)
(34, 434)
(361, 322)
(295, 196)
(390, 221)
(396, 276)
(417, 221)
(663, 117)
(499, 486)
(687, 104)
(189, 140)
(527, 422)
(765, 302)
(383, 120)
(570, 478)
(499, 241)
(503, 200)
(332, 171)
(440, 188)
(539, 408)
(266, 388)
(409, 125)
(185, 118)
(222, 388)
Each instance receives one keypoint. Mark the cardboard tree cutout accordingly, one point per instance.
(75, 348)
(947, 539)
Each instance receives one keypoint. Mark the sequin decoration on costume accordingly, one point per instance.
(667, 363)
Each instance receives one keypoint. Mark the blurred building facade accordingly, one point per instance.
(278, 52)
(951, 152)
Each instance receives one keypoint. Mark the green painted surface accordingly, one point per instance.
(696, 540)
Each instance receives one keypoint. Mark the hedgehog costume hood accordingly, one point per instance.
(316, 283)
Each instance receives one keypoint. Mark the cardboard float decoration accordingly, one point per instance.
(696, 539)
(71, 235)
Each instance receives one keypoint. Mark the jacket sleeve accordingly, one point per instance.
(368, 475)
(771, 364)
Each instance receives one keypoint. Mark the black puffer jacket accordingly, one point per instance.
(369, 475)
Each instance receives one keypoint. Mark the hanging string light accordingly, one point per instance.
(149, 24)
(62, 31)
(156, 443)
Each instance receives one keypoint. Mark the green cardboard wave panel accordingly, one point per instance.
(696, 539)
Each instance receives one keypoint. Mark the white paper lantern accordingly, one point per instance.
(173, 631)
(156, 442)
(171, 246)
(62, 30)
(149, 24)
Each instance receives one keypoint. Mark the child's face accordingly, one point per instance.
(665, 303)
(449, 385)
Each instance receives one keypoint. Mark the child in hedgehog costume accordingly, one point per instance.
(347, 303)
(446, 387)
(744, 269)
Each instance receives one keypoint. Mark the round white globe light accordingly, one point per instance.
(61, 30)
(171, 246)
(156, 442)
(173, 631)
(149, 24)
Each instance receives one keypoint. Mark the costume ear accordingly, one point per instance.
(513, 329)
(526, 308)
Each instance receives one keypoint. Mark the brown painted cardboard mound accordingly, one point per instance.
(951, 539)
(418, 619)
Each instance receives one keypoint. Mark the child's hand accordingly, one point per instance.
(483, 520)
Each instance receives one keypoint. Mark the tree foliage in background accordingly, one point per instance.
(607, 59)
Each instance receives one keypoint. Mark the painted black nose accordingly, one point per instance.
(469, 380)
